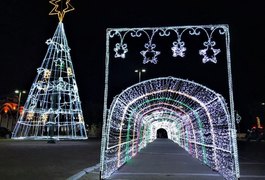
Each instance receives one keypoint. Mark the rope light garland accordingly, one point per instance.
(150, 54)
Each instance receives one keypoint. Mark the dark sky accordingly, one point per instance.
(26, 25)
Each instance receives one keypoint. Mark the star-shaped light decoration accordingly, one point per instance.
(178, 48)
(60, 8)
(120, 50)
(209, 53)
(150, 55)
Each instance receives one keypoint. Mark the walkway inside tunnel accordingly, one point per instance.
(164, 160)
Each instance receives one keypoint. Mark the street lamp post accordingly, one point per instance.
(140, 71)
(19, 99)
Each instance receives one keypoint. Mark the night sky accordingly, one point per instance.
(26, 25)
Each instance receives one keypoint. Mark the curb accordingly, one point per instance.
(83, 172)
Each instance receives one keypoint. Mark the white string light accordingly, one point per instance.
(199, 123)
(194, 116)
(53, 108)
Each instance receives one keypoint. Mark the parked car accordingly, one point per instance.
(5, 133)
(257, 134)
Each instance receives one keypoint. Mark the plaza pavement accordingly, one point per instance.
(164, 160)
(39, 160)
(79, 160)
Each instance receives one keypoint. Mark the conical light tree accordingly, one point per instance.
(53, 107)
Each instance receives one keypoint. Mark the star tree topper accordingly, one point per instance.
(61, 7)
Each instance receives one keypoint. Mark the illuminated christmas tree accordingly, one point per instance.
(53, 108)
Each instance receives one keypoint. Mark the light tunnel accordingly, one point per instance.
(194, 116)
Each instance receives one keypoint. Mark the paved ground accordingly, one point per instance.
(146, 167)
(251, 160)
(39, 160)
(165, 160)
(68, 160)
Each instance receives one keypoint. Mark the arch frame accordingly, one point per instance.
(122, 32)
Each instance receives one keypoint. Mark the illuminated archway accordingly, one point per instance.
(194, 116)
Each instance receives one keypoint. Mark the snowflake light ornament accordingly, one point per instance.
(150, 55)
(178, 48)
(209, 53)
(120, 50)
